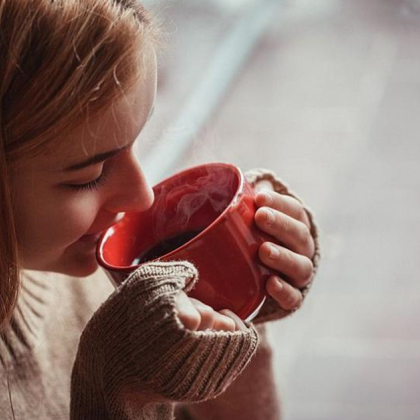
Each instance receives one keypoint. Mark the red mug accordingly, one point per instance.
(204, 215)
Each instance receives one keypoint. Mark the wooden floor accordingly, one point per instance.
(330, 100)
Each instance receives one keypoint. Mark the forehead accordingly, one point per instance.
(115, 127)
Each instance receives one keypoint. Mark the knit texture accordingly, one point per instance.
(38, 347)
(254, 395)
(270, 310)
(136, 350)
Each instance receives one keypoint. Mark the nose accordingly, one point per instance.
(131, 192)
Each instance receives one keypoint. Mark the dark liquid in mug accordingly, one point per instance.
(165, 246)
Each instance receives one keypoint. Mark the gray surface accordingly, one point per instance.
(331, 101)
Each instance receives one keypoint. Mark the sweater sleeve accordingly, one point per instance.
(135, 356)
(253, 395)
(271, 310)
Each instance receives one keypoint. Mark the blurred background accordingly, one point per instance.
(327, 94)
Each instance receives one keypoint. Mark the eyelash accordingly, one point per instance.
(89, 186)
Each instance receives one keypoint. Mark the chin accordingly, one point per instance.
(82, 269)
(76, 266)
(73, 262)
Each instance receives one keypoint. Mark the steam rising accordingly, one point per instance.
(215, 188)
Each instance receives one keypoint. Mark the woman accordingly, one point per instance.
(77, 86)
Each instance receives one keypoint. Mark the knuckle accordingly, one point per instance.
(270, 217)
(195, 322)
(227, 323)
(291, 301)
(306, 270)
(284, 223)
(301, 212)
(207, 314)
(304, 237)
(190, 320)
(287, 260)
(300, 268)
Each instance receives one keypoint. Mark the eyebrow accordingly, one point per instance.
(102, 157)
(93, 160)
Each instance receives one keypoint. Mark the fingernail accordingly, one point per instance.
(226, 312)
(267, 197)
(279, 283)
(270, 217)
(274, 252)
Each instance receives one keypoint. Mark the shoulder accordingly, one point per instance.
(71, 300)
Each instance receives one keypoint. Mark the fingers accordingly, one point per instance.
(293, 233)
(283, 293)
(207, 314)
(187, 313)
(239, 324)
(285, 219)
(263, 185)
(297, 268)
(282, 203)
(196, 316)
(223, 322)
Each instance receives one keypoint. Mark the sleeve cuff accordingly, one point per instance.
(135, 345)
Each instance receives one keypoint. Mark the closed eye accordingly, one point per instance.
(89, 186)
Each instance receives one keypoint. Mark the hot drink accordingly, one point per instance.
(165, 246)
(203, 215)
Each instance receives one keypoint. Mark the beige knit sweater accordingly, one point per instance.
(132, 358)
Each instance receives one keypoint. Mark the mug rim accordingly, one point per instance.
(110, 231)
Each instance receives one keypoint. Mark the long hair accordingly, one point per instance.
(61, 61)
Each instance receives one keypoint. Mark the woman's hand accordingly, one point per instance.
(197, 316)
(291, 251)
(289, 254)
(134, 347)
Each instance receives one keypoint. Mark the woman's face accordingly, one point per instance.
(65, 199)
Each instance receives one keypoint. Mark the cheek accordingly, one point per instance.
(75, 219)
(53, 225)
